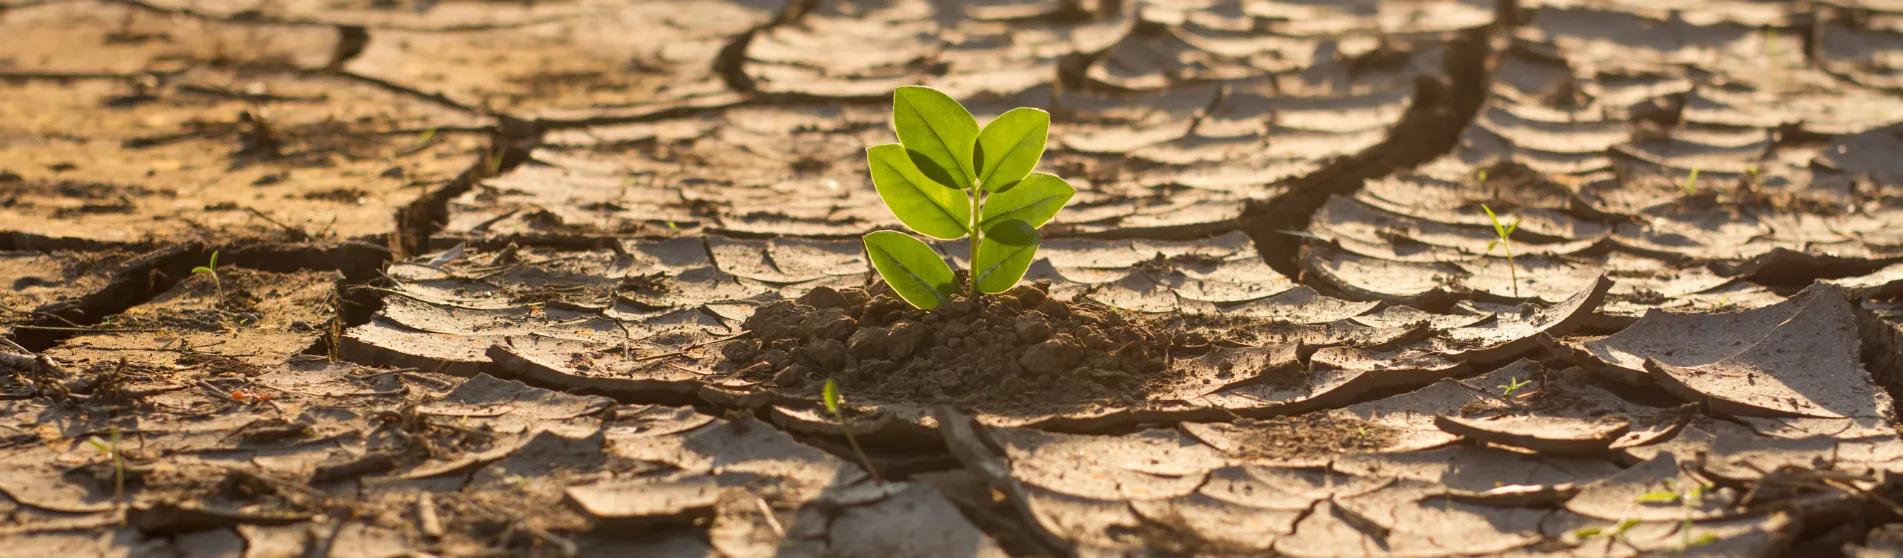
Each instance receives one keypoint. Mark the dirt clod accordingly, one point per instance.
(987, 352)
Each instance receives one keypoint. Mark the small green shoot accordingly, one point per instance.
(1691, 183)
(1702, 540)
(211, 269)
(427, 136)
(1481, 176)
(1504, 232)
(1513, 384)
(1657, 498)
(947, 178)
(111, 449)
(831, 397)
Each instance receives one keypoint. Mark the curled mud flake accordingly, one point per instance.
(645, 504)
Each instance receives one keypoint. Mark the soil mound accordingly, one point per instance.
(1020, 348)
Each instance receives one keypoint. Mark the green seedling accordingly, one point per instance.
(949, 179)
(831, 396)
(1481, 175)
(1504, 232)
(1691, 183)
(211, 269)
(1660, 497)
(1513, 384)
(111, 450)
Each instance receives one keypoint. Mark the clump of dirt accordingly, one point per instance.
(1018, 350)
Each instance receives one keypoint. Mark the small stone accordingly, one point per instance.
(904, 339)
(1027, 296)
(827, 354)
(777, 320)
(740, 350)
(1048, 358)
(868, 342)
(1032, 329)
(823, 297)
(1054, 309)
(855, 297)
(775, 357)
(791, 376)
(828, 323)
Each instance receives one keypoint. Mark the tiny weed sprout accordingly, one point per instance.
(1691, 183)
(1513, 384)
(211, 269)
(947, 178)
(1504, 231)
(831, 396)
(111, 449)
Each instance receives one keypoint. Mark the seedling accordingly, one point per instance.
(1504, 231)
(949, 179)
(1691, 183)
(831, 396)
(111, 449)
(1513, 384)
(211, 269)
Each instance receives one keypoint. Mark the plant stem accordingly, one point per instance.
(854, 442)
(1512, 272)
(971, 274)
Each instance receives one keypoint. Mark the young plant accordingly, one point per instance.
(1513, 384)
(831, 397)
(111, 449)
(1504, 231)
(211, 268)
(1691, 183)
(949, 179)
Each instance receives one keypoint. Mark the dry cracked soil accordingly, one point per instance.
(565, 278)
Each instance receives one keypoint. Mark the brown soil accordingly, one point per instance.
(1015, 353)
(565, 278)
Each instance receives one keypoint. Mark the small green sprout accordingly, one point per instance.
(1617, 529)
(949, 179)
(831, 397)
(1513, 384)
(1481, 176)
(1504, 232)
(1691, 183)
(427, 135)
(1702, 540)
(1657, 498)
(111, 449)
(211, 269)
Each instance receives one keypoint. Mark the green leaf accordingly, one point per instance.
(922, 204)
(914, 270)
(832, 397)
(1035, 201)
(1005, 254)
(201, 269)
(214, 260)
(1497, 229)
(939, 133)
(100, 445)
(1010, 147)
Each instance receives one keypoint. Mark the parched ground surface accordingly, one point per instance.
(564, 278)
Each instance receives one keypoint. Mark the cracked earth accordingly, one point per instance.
(564, 278)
